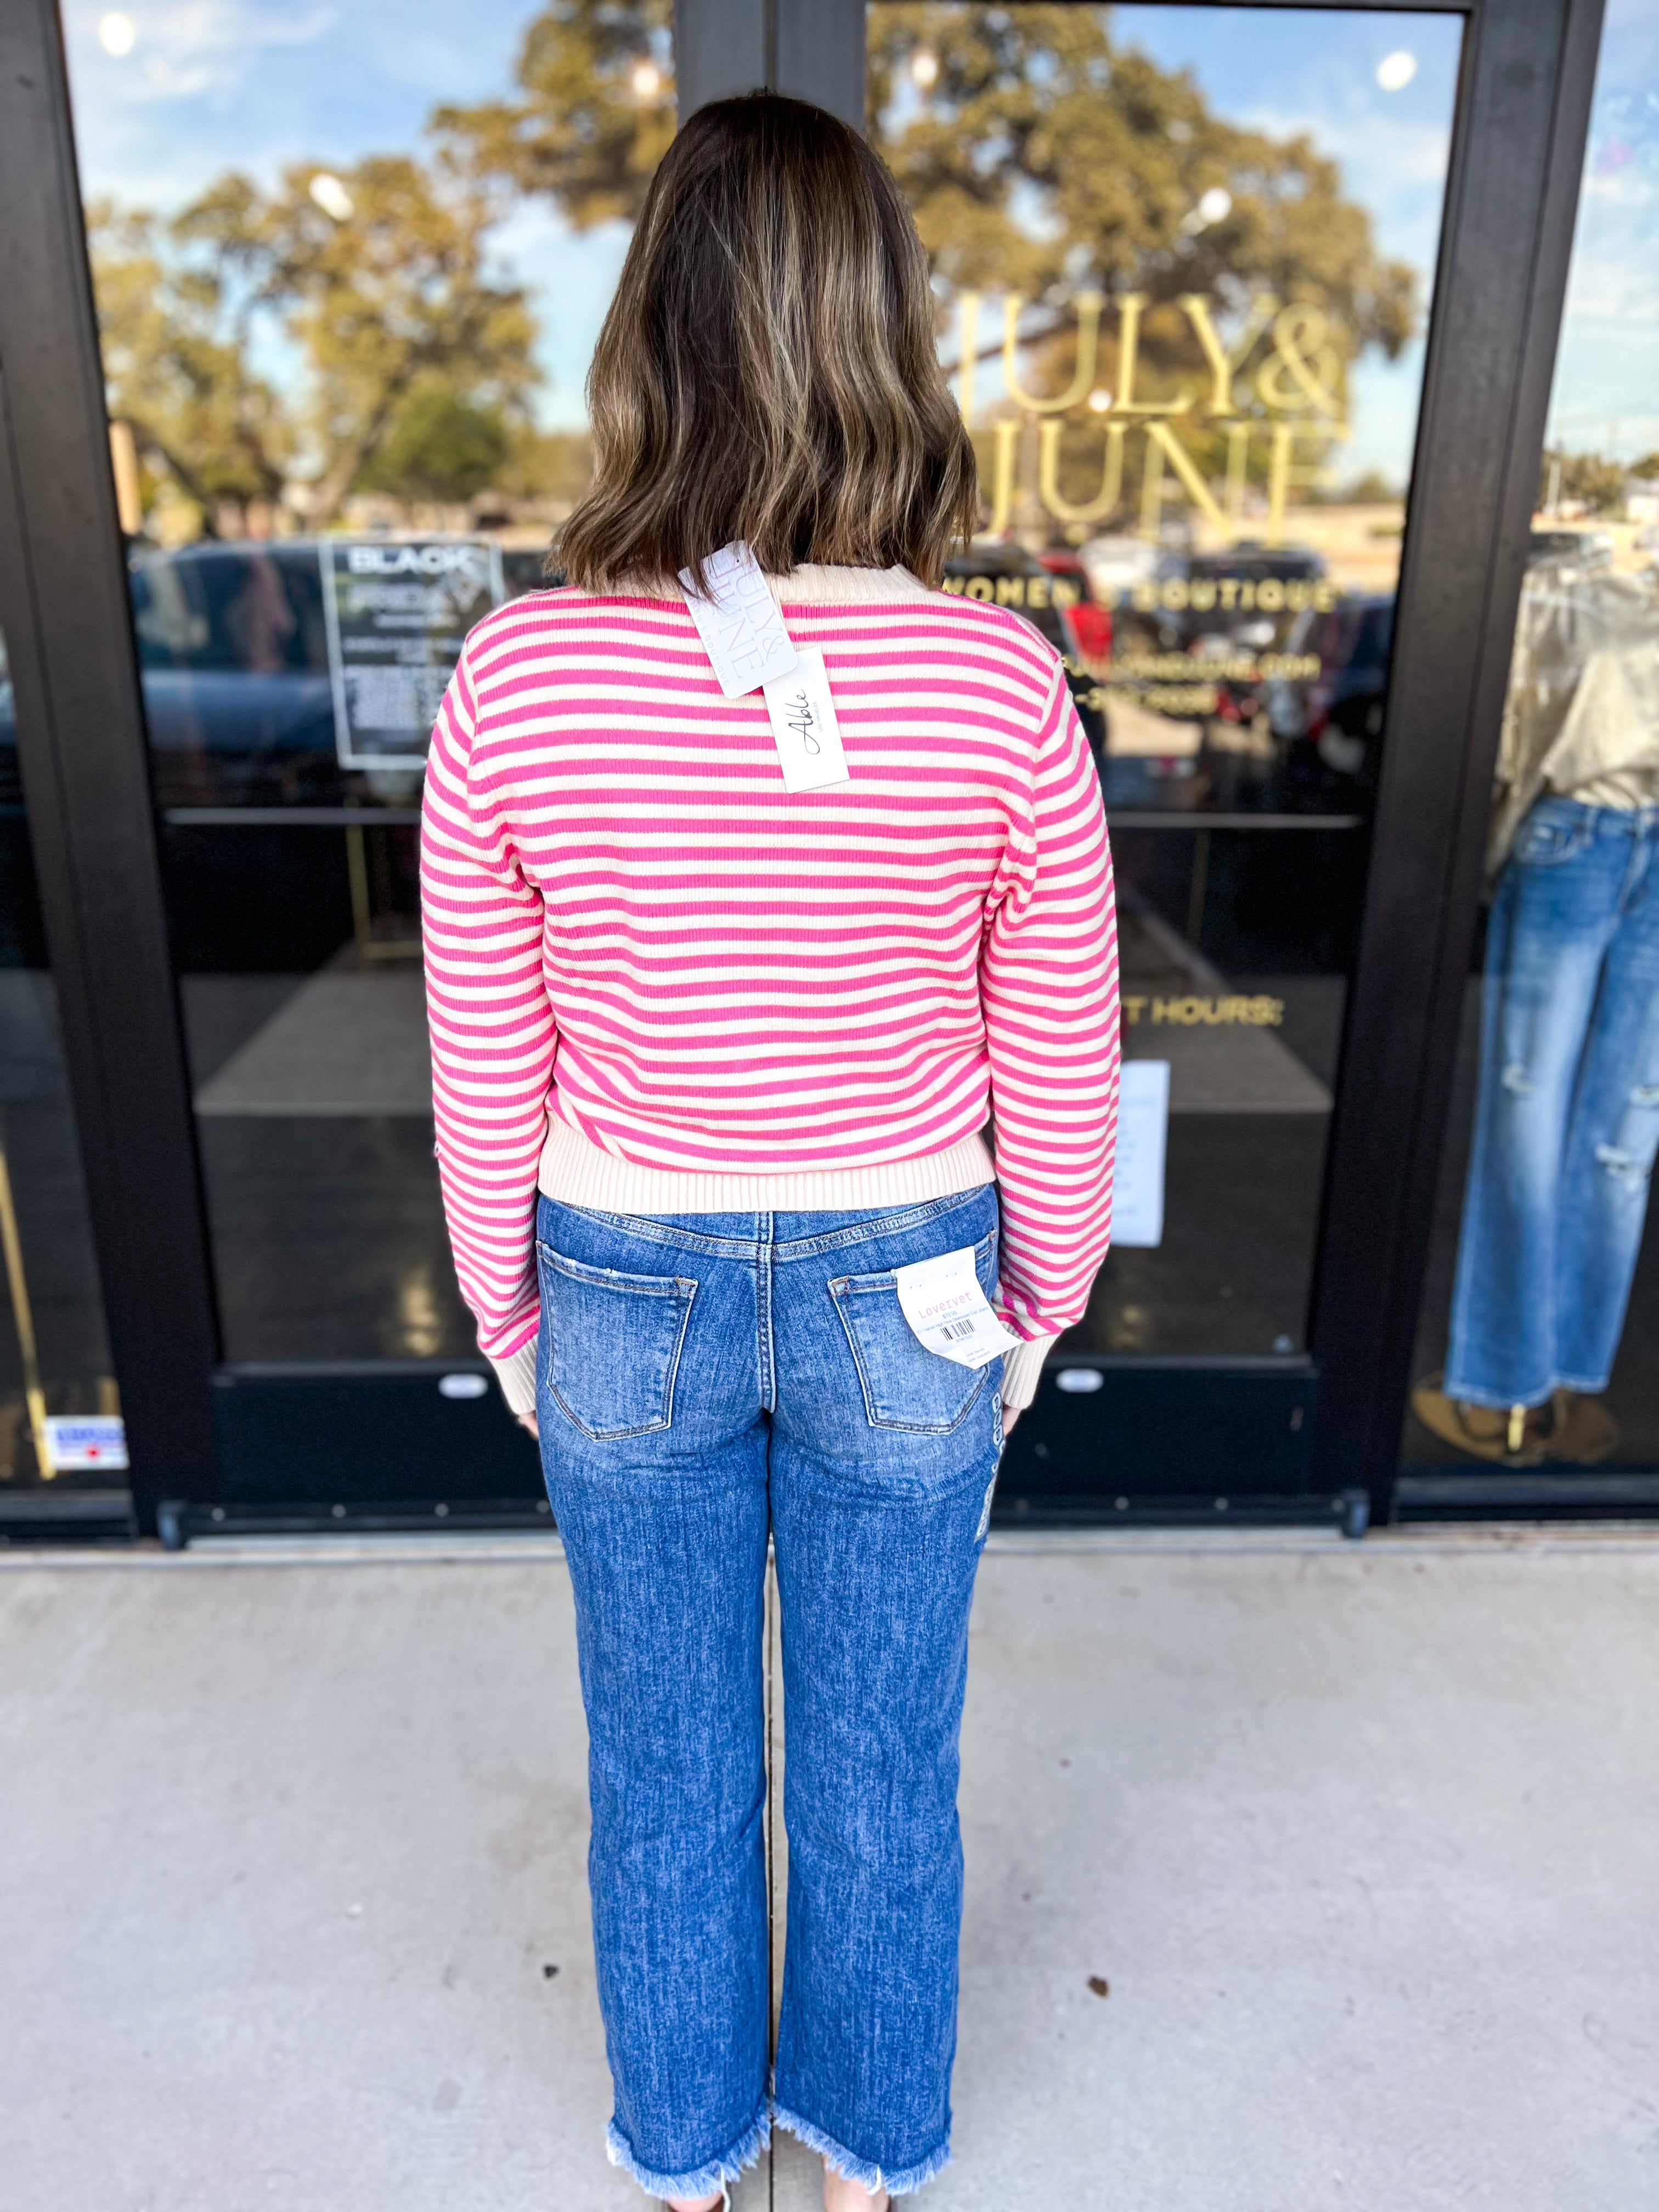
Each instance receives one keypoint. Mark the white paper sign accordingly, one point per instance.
(86, 1440)
(1143, 1122)
(947, 1310)
(742, 631)
(804, 725)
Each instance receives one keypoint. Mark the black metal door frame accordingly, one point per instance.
(63, 608)
(1293, 1434)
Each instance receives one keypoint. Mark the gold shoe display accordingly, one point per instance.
(1482, 1432)
(1566, 1429)
(1585, 1433)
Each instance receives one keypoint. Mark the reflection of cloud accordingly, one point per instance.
(1618, 188)
(1606, 369)
(1394, 166)
(196, 46)
(254, 84)
(571, 277)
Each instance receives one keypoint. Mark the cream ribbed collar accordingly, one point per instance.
(817, 582)
(814, 581)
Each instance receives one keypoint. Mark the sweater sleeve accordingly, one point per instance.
(1049, 987)
(493, 1036)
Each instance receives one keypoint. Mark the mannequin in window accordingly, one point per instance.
(1567, 1117)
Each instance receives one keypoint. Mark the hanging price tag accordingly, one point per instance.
(948, 1311)
(804, 724)
(745, 638)
(741, 629)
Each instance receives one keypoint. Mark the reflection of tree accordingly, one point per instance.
(1588, 480)
(416, 356)
(176, 356)
(593, 111)
(1045, 159)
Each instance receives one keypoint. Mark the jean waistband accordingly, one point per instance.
(687, 1233)
(1634, 821)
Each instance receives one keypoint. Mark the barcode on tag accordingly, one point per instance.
(944, 1303)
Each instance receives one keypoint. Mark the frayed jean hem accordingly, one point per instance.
(842, 2161)
(701, 2181)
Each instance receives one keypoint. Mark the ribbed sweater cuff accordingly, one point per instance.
(516, 1376)
(1021, 1369)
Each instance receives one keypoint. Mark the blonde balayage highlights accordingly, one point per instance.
(768, 370)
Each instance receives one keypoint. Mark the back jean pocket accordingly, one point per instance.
(905, 1386)
(611, 1344)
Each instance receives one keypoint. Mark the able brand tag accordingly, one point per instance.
(947, 1310)
(804, 724)
(741, 629)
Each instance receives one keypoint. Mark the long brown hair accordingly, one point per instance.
(768, 370)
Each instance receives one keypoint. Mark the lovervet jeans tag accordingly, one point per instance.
(741, 629)
(947, 1311)
(804, 724)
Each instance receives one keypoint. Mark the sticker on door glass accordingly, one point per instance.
(397, 613)
(76, 1442)
(1143, 1122)
(947, 1311)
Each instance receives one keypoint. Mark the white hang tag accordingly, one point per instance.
(804, 725)
(742, 631)
(947, 1310)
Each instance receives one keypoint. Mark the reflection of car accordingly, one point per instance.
(232, 655)
(1328, 724)
(1115, 565)
(238, 701)
(1004, 575)
(1591, 549)
(1088, 622)
(524, 568)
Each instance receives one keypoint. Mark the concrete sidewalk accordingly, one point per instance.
(1362, 1842)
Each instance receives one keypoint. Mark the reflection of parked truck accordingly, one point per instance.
(1244, 593)
(232, 655)
(233, 659)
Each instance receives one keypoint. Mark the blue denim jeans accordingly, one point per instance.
(702, 1379)
(1568, 1116)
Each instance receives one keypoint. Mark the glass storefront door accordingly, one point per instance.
(1184, 259)
(347, 276)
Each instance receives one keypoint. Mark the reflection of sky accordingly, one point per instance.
(212, 84)
(1286, 70)
(1605, 397)
(253, 84)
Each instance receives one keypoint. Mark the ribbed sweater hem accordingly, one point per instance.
(576, 1172)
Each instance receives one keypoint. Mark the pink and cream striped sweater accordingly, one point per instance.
(657, 982)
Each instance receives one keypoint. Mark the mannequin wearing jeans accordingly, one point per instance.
(1568, 1117)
